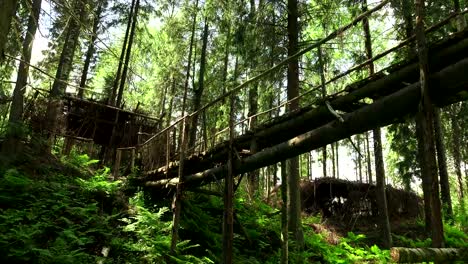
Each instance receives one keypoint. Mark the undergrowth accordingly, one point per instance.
(71, 212)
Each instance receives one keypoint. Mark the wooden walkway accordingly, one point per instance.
(384, 98)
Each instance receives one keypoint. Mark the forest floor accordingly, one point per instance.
(67, 210)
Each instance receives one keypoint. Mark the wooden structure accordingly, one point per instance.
(106, 125)
(384, 98)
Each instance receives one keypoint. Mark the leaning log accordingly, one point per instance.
(437, 255)
(382, 112)
(286, 127)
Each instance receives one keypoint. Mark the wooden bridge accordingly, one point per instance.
(384, 98)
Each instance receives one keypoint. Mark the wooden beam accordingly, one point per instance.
(437, 255)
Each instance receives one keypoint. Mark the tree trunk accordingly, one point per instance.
(381, 195)
(91, 49)
(369, 162)
(115, 87)
(228, 228)
(425, 120)
(284, 215)
(198, 93)
(332, 147)
(177, 201)
(189, 60)
(128, 55)
(456, 143)
(253, 102)
(442, 162)
(359, 156)
(63, 70)
(436, 255)
(337, 145)
(7, 12)
(324, 94)
(171, 102)
(380, 188)
(14, 134)
(295, 224)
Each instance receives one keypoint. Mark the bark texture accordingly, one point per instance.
(425, 119)
(442, 165)
(295, 224)
(17, 104)
(72, 34)
(198, 92)
(91, 49)
(7, 12)
(437, 255)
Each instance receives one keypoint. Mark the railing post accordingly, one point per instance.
(132, 159)
(118, 157)
(168, 150)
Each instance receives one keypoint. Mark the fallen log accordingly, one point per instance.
(382, 112)
(286, 127)
(437, 255)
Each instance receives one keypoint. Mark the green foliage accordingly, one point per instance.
(79, 161)
(100, 183)
(350, 249)
(48, 221)
(150, 236)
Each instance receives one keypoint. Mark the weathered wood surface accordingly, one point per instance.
(387, 110)
(291, 125)
(437, 255)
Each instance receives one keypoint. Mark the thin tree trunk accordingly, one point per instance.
(359, 156)
(115, 87)
(425, 118)
(91, 49)
(7, 12)
(198, 93)
(228, 228)
(380, 189)
(332, 147)
(381, 195)
(171, 102)
(369, 160)
(442, 162)
(189, 60)
(253, 103)
(284, 215)
(324, 94)
(295, 224)
(177, 201)
(337, 145)
(128, 55)
(456, 144)
(63, 70)
(16, 110)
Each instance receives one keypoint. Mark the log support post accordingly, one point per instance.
(176, 204)
(228, 219)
